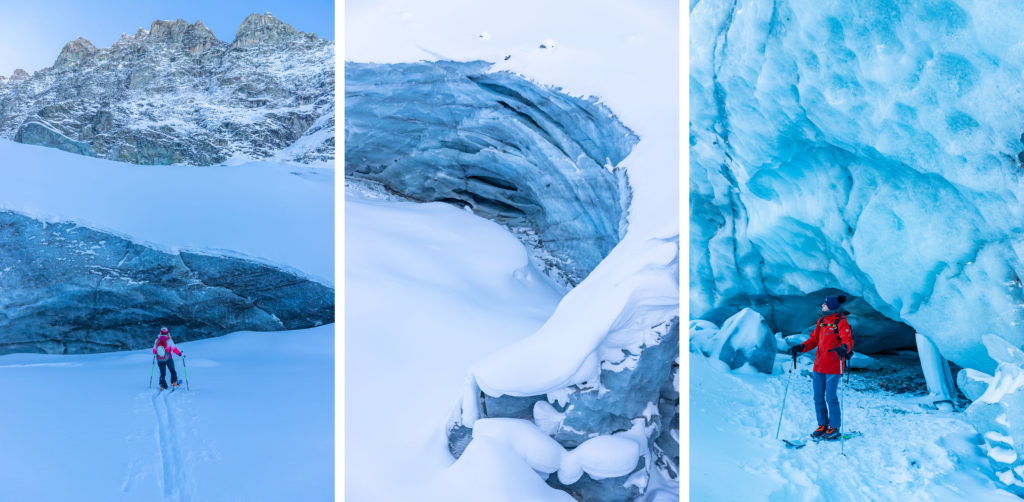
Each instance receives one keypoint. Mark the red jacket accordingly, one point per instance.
(824, 338)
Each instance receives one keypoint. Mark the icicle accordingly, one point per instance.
(936, 371)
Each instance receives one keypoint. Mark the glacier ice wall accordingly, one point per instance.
(530, 157)
(876, 150)
(604, 368)
(65, 288)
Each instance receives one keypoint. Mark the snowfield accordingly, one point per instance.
(906, 452)
(275, 213)
(257, 423)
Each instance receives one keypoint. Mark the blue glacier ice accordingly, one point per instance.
(535, 159)
(874, 149)
(69, 289)
(996, 413)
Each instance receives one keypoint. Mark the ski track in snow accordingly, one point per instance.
(174, 481)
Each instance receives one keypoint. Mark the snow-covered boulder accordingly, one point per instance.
(972, 383)
(998, 414)
(745, 339)
(863, 362)
(702, 336)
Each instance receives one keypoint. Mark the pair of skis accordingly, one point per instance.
(799, 443)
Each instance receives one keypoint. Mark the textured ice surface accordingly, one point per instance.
(66, 288)
(996, 413)
(876, 150)
(527, 156)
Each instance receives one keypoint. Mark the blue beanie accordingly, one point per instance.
(832, 302)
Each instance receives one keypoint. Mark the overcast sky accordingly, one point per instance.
(32, 33)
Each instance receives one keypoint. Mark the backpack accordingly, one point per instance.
(835, 329)
(161, 349)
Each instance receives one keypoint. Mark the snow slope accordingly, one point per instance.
(431, 289)
(257, 424)
(275, 213)
(906, 453)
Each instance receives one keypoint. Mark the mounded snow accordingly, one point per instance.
(431, 289)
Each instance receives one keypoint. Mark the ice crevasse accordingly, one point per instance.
(877, 150)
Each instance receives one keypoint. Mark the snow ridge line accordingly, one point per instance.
(172, 478)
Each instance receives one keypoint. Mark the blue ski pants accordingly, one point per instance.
(164, 365)
(826, 402)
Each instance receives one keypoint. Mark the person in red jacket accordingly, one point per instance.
(163, 348)
(834, 340)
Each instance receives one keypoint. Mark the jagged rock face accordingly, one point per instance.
(256, 30)
(177, 94)
(70, 289)
(529, 157)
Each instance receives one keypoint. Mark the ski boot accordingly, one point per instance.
(820, 431)
(831, 434)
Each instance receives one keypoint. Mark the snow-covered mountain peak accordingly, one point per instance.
(74, 51)
(195, 38)
(259, 29)
(19, 75)
(176, 94)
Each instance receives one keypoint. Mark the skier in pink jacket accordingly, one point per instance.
(164, 349)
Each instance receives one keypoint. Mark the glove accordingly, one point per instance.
(842, 351)
(796, 350)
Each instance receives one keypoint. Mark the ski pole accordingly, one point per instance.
(784, 394)
(842, 404)
(151, 372)
(185, 367)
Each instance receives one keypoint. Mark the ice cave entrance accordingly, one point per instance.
(899, 359)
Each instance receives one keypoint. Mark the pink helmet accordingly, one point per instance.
(163, 331)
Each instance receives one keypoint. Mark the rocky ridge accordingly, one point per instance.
(176, 94)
